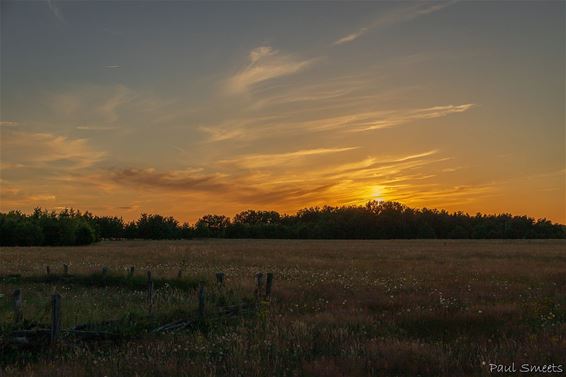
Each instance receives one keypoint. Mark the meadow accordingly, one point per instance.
(338, 308)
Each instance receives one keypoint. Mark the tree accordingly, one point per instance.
(375, 220)
(109, 227)
(212, 226)
(157, 227)
(252, 217)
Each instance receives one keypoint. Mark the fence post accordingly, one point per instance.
(259, 283)
(201, 300)
(220, 278)
(131, 272)
(48, 270)
(268, 285)
(65, 269)
(18, 314)
(149, 291)
(180, 274)
(55, 317)
(104, 271)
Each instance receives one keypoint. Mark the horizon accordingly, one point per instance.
(184, 109)
(231, 216)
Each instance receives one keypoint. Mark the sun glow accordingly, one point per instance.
(377, 193)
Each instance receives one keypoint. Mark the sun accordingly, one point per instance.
(377, 193)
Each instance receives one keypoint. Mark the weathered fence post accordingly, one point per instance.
(65, 269)
(180, 274)
(149, 292)
(201, 300)
(48, 270)
(55, 317)
(18, 314)
(131, 272)
(259, 283)
(268, 285)
(104, 271)
(220, 278)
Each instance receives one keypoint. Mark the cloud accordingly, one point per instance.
(281, 182)
(55, 10)
(41, 197)
(351, 37)
(261, 52)
(265, 64)
(353, 121)
(434, 195)
(223, 133)
(403, 117)
(122, 96)
(95, 128)
(42, 150)
(379, 167)
(333, 90)
(100, 104)
(231, 186)
(17, 197)
(349, 121)
(256, 161)
(237, 127)
(112, 66)
(416, 156)
(8, 123)
(178, 180)
(399, 15)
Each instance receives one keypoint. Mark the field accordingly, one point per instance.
(338, 308)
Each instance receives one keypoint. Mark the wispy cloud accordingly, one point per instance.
(240, 183)
(370, 120)
(8, 123)
(405, 178)
(265, 63)
(352, 36)
(434, 194)
(178, 180)
(223, 133)
(101, 104)
(95, 128)
(40, 150)
(404, 117)
(283, 186)
(112, 66)
(120, 97)
(380, 167)
(55, 10)
(256, 161)
(18, 196)
(346, 120)
(333, 90)
(402, 14)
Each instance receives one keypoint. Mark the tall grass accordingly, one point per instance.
(339, 308)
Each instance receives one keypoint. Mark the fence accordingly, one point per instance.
(54, 330)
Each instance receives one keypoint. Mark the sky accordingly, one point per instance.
(189, 108)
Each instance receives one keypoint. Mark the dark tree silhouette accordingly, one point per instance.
(375, 220)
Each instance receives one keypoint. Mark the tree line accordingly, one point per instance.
(374, 220)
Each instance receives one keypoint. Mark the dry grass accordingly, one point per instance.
(340, 308)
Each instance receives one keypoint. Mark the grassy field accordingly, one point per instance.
(339, 308)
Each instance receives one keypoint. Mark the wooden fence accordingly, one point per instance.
(54, 329)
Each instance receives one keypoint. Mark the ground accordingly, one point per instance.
(338, 308)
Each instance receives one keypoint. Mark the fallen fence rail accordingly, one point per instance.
(36, 335)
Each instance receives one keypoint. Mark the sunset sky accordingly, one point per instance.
(183, 109)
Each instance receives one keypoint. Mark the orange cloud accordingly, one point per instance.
(41, 150)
